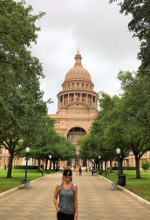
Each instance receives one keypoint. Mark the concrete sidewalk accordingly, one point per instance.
(97, 200)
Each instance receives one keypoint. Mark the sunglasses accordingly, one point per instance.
(67, 174)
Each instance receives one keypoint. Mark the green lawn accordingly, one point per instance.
(6, 183)
(140, 187)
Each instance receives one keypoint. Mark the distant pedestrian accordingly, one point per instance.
(67, 209)
(80, 171)
(77, 170)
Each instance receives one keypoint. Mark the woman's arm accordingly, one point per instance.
(55, 196)
(76, 201)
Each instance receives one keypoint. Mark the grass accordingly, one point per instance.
(140, 187)
(9, 183)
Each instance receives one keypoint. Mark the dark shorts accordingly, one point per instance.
(62, 216)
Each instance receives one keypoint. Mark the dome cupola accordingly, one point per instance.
(77, 72)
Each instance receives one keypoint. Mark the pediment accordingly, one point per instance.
(77, 105)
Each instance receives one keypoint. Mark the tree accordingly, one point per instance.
(51, 143)
(140, 26)
(41, 149)
(136, 121)
(21, 101)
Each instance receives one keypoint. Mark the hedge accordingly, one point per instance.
(125, 168)
(23, 167)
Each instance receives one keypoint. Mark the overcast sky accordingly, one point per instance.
(99, 31)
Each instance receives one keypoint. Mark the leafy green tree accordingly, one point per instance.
(51, 143)
(140, 26)
(21, 103)
(136, 121)
(40, 149)
(63, 149)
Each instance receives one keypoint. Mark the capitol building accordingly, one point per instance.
(77, 106)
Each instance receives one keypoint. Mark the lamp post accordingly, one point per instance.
(27, 152)
(50, 156)
(118, 152)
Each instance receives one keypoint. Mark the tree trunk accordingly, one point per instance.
(137, 161)
(105, 168)
(39, 162)
(53, 165)
(11, 157)
(101, 165)
(46, 162)
(110, 166)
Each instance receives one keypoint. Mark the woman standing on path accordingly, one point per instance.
(67, 209)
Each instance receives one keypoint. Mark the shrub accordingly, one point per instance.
(145, 165)
(129, 168)
(125, 168)
(23, 167)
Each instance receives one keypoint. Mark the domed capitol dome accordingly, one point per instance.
(77, 89)
(78, 72)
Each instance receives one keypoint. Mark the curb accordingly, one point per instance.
(131, 194)
(18, 187)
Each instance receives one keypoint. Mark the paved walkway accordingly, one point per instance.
(97, 201)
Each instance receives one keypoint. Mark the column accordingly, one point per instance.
(86, 98)
(81, 97)
(63, 100)
(68, 98)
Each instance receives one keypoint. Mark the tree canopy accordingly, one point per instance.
(140, 26)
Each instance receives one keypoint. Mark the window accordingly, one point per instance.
(82, 85)
(72, 85)
(77, 85)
